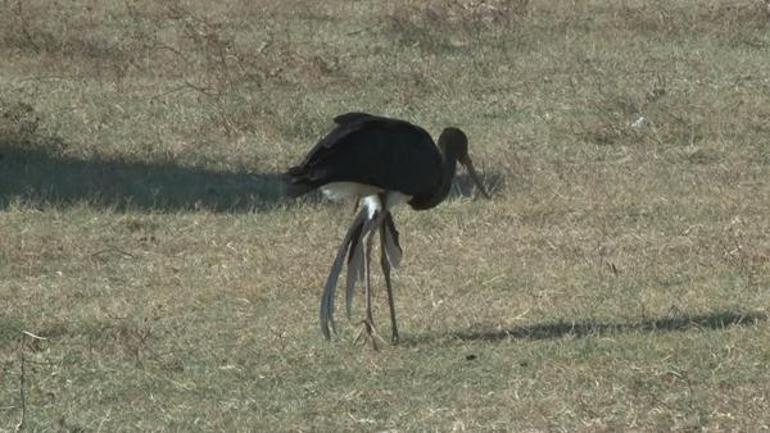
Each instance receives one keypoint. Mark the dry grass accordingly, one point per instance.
(619, 280)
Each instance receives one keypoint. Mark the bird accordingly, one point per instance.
(379, 162)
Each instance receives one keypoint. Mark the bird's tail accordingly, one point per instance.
(352, 247)
(393, 249)
(355, 267)
(327, 299)
(296, 182)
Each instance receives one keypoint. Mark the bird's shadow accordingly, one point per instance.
(37, 174)
(463, 185)
(679, 322)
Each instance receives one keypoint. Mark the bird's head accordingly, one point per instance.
(454, 143)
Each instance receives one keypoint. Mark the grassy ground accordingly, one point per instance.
(619, 280)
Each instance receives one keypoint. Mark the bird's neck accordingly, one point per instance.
(447, 174)
(448, 168)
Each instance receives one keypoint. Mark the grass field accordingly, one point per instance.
(618, 280)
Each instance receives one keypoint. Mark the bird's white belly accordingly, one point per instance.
(368, 194)
(341, 190)
(373, 204)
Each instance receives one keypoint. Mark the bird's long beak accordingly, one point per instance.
(466, 161)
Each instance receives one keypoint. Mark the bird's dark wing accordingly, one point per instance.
(387, 153)
(355, 116)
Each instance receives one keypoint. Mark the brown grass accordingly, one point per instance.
(617, 281)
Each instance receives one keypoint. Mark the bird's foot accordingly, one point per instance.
(394, 338)
(368, 332)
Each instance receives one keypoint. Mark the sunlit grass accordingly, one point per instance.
(617, 281)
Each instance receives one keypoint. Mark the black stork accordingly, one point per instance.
(380, 162)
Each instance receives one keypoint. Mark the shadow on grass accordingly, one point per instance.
(579, 329)
(32, 174)
(463, 185)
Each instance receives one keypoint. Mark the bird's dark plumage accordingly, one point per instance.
(381, 160)
(359, 145)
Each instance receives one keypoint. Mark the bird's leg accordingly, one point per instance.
(369, 327)
(386, 272)
(355, 265)
(369, 232)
